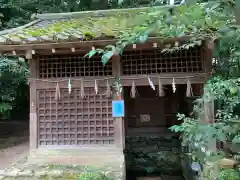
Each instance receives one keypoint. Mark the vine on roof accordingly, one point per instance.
(200, 21)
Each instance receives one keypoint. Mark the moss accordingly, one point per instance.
(78, 168)
(91, 27)
(122, 25)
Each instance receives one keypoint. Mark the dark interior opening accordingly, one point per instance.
(151, 149)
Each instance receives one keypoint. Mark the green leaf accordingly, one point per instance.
(106, 56)
(91, 53)
(233, 90)
(110, 47)
(5, 107)
(149, 169)
(236, 139)
(143, 38)
(120, 2)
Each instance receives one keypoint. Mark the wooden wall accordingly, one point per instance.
(74, 121)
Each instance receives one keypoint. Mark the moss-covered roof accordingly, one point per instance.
(75, 26)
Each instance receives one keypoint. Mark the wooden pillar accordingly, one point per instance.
(118, 122)
(208, 106)
(33, 105)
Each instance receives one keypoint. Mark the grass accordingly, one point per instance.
(70, 172)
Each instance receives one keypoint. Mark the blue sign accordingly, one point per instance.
(118, 108)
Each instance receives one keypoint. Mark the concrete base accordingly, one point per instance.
(110, 160)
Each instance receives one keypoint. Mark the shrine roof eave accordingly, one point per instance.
(75, 26)
(78, 46)
(79, 30)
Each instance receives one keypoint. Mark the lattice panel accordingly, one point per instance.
(153, 62)
(52, 66)
(74, 121)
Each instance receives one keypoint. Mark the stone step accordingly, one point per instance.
(102, 157)
(55, 172)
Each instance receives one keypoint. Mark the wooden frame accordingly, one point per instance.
(36, 83)
(33, 106)
(83, 46)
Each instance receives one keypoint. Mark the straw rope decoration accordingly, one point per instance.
(82, 93)
(189, 92)
(160, 88)
(57, 92)
(174, 86)
(133, 90)
(151, 84)
(95, 86)
(69, 86)
(108, 91)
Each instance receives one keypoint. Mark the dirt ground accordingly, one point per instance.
(14, 143)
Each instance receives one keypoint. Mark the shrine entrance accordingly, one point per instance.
(151, 149)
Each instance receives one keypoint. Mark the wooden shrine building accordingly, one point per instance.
(71, 95)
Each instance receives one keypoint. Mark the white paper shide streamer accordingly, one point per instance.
(95, 86)
(174, 86)
(57, 92)
(133, 90)
(69, 86)
(151, 84)
(189, 92)
(160, 88)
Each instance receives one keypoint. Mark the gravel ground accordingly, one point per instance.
(14, 144)
(14, 154)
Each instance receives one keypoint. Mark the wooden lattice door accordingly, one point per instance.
(72, 119)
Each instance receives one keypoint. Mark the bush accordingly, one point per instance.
(13, 83)
(229, 174)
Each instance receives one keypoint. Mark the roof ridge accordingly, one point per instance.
(53, 16)
(7, 31)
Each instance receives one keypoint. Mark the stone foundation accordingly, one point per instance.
(153, 154)
(110, 160)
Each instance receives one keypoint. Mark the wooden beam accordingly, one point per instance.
(33, 107)
(51, 83)
(118, 122)
(86, 45)
(166, 79)
(28, 54)
(7, 31)
(180, 78)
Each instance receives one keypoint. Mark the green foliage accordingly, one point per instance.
(13, 74)
(229, 174)
(14, 13)
(92, 176)
(200, 21)
(198, 135)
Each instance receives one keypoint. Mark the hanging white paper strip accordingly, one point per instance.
(174, 86)
(69, 86)
(96, 87)
(151, 84)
